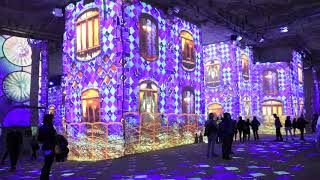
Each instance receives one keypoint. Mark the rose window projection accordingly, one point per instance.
(88, 35)
(187, 43)
(212, 73)
(148, 39)
(270, 82)
(22, 66)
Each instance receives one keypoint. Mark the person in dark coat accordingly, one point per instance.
(247, 130)
(301, 124)
(240, 127)
(200, 138)
(288, 127)
(211, 131)
(196, 139)
(255, 127)
(46, 136)
(34, 147)
(14, 142)
(278, 125)
(294, 126)
(314, 122)
(226, 135)
(235, 130)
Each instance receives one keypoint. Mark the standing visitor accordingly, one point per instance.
(247, 130)
(14, 142)
(211, 130)
(301, 123)
(235, 131)
(240, 126)
(288, 127)
(294, 126)
(200, 138)
(314, 122)
(278, 125)
(34, 147)
(255, 127)
(46, 137)
(227, 135)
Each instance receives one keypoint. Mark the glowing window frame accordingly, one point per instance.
(96, 96)
(277, 82)
(88, 53)
(190, 89)
(142, 33)
(187, 37)
(245, 74)
(152, 89)
(213, 63)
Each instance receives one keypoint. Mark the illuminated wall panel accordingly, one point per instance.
(146, 70)
(23, 78)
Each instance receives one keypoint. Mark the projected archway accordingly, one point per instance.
(270, 82)
(245, 67)
(90, 101)
(271, 107)
(212, 74)
(188, 53)
(88, 34)
(148, 97)
(148, 37)
(188, 100)
(215, 108)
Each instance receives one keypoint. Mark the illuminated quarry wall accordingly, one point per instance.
(23, 80)
(133, 79)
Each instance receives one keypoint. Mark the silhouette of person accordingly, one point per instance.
(288, 127)
(235, 130)
(247, 130)
(34, 147)
(294, 126)
(200, 138)
(255, 127)
(46, 136)
(314, 122)
(196, 139)
(278, 125)
(211, 130)
(226, 135)
(301, 123)
(14, 142)
(240, 127)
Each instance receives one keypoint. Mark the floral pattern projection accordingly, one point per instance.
(131, 87)
(16, 77)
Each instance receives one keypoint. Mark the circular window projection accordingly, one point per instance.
(18, 51)
(16, 86)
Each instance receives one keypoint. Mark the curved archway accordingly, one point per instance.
(148, 97)
(212, 73)
(270, 82)
(188, 53)
(90, 101)
(188, 100)
(270, 107)
(215, 108)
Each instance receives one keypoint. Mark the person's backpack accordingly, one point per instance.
(61, 148)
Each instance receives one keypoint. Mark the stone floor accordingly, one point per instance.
(265, 159)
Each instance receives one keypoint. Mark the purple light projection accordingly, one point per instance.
(114, 88)
(234, 84)
(22, 74)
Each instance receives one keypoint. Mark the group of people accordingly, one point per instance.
(299, 124)
(54, 146)
(243, 128)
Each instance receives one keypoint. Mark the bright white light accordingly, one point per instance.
(284, 29)
(50, 83)
(261, 40)
(239, 38)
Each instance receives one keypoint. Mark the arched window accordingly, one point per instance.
(215, 108)
(212, 76)
(271, 107)
(88, 35)
(301, 106)
(148, 97)
(270, 82)
(148, 37)
(247, 105)
(188, 100)
(188, 54)
(300, 74)
(295, 107)
(90, 101)
(245, 67)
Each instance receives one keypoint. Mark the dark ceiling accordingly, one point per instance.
(252, 19)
